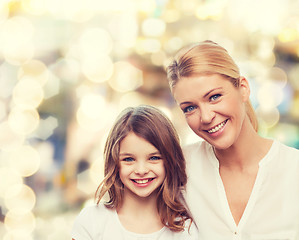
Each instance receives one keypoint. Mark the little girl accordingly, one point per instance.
(144, 177)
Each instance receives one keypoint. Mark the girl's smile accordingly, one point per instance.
(142, 182)
(141, 166)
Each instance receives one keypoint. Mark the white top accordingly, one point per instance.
(100, 223)
(272, 212)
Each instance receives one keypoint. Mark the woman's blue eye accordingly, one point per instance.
(188, 109)
(215, 97)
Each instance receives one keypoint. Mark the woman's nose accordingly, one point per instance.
(207, 115)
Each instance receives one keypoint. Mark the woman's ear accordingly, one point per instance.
(244, 89)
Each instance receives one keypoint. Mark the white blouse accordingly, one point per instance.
(97, 222)
(272, 212)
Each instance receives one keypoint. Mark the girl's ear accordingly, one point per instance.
(244, 89)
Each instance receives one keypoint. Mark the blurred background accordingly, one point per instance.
(68, 67)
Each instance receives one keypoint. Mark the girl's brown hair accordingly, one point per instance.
(152, 125)
(206, 58)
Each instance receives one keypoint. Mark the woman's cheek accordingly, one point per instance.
(193, 122)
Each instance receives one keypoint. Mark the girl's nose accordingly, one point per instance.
(141, 168)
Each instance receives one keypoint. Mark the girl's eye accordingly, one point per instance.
(155, 158)
(188, 109)
(215, 97)
(128, 159)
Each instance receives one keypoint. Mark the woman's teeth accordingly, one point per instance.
(217, 128)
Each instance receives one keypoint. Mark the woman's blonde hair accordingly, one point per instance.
(152, 125)
(206, 58)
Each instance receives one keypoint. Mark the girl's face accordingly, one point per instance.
(141, 166)
(213, 107)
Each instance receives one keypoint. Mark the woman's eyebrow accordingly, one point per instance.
(214, 89)
(207, 94)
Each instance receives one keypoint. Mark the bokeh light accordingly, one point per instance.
(20, 199)
(94, 112)
(28, 93)
(270, 117)
(131, 99)
(23, 121)
(85, 183)
(125, 77)
(35, 7)
(17, 235)
(95, 41)
(35, 70)
(9, 177)
(3, 110)
(24, 223)
(9, 139)
(8, 79)
(97, 68)
(148, 45)
(294, 111)
(270, 95)
(25, 160)
(16, 36)
(67, 69)
(153, 27)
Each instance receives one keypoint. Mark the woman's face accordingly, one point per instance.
(213, 107)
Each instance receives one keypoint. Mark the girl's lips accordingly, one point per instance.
(142, 182)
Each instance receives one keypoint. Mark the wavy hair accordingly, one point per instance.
(206, 58)
(152, 125)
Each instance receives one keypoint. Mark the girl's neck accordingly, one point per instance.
(136, 205)
(139, 215)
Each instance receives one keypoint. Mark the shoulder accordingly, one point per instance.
(286, 152)
(90, 222)
(285, 157)
(189, 233)
(288, 148)
(192, 231)
(196, 148)
(194, 152)
(97, 211)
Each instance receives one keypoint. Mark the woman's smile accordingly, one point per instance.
(218, 127)
(212, 108)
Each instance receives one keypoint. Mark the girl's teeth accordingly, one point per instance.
(142, 181)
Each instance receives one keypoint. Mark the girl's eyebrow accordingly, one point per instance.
(125, 154)
(155, 153)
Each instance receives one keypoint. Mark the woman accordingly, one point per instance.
(240, 185)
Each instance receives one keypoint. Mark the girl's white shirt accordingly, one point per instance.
(272, 212)
(97, 222)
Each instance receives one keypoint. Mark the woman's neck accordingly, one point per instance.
(246, 152)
